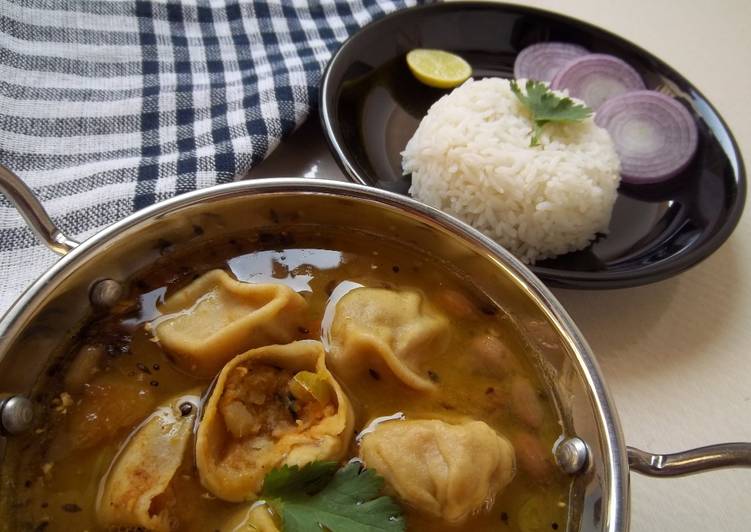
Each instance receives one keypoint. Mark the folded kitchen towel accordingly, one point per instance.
(107, 106)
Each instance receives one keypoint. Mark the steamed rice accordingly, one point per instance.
(471, 158)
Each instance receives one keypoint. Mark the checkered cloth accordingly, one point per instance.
(107, 106)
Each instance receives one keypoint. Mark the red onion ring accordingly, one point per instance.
(542, 61)
(596, 77)
(654, 135)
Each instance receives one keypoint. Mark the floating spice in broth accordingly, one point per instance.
(429, 351)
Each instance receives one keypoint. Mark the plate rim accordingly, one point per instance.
(572, 279)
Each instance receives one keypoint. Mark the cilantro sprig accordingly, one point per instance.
(546, 106)
(317, 496)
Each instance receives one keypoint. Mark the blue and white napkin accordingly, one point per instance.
(107, 106)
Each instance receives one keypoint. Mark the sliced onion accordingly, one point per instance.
(596, 77)
(542, 61)
(654, 135)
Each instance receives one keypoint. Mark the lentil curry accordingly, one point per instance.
(228, 359)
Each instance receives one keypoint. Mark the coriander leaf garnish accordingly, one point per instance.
(314, 497)
(546, 106)
(310, 479)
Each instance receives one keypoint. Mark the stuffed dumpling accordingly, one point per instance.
(137, 490)
(271, 406)
(387, 332)
(446, 470)
(257, 517)
(217, 317)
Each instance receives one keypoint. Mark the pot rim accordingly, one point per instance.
(616, 486)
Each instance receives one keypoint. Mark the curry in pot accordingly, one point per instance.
(253, 361)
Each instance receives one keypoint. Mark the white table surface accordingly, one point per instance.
(675, 354)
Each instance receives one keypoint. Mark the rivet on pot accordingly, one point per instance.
(106, 293)
(571, 454)
(16, 415)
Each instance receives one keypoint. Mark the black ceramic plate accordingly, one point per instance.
(371, 105)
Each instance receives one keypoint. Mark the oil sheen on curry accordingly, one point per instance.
(229, 361)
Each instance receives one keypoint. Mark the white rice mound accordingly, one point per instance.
(470, 157)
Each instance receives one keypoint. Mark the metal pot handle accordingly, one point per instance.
(691, 461)
(32, 211)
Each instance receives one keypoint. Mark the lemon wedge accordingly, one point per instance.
(437, 68)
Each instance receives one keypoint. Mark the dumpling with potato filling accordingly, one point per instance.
(449, 471)
(272, 406)
(137, 490)
(217, 317)
(386, 332)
